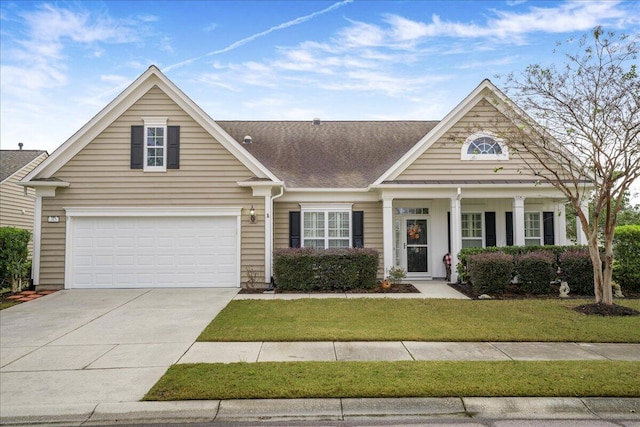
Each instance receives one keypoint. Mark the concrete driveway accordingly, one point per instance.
(77, 347)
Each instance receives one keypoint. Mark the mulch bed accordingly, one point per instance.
(404, 288)
(588, 309)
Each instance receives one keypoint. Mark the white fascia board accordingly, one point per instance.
(440, 129)
(151, 77)
(476, 192)
(167, 211)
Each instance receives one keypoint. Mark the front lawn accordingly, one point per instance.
(397, 379)
(418, 320)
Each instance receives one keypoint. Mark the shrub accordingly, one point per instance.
(577, 271)
(535, 271)
(14, 257)
(626, 250)
(490, 273)
(307, 269)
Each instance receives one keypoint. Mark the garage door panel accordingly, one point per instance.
(154, 252)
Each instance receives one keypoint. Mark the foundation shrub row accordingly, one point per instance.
(531, 269)
(307, 270)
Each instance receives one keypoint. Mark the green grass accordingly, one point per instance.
(417, 320)
(397, 379)
(7, 304)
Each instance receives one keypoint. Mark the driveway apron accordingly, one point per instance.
(96, 346)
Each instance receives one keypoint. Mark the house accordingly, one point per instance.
(152, 192)
(17, 203)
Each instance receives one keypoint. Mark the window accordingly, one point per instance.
(482, 146)
(532, 229)
(471, 230)
(155, 144)
(326, 227)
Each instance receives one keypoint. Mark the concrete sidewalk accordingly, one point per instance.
(327, 351)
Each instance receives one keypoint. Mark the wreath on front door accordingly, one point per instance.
(414, 231)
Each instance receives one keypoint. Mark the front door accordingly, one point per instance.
(416, 245)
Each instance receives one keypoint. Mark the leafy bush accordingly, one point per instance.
(490, 273)
(510, 250)
(577, 271)
(306, 269)
(14, 257)
(626, 250)
(535, 271)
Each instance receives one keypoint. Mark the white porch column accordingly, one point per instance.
(561, 224)
(580, 234)
(387, 233)
(518, 221)
(456, 235)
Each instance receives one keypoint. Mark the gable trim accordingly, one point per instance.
(150, 78)
(436, 133)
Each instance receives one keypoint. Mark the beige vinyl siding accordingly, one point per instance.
(13, 200)
(100, 175)
(442, 160)
(372, 226)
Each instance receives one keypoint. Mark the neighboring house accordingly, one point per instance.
(153, 192)
(17, 202)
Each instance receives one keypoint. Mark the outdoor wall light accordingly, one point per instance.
(252, 213)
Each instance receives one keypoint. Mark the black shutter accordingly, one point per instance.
(137, 147)
(449, 231)
(358, 229)
(547, 224)
(509, 226)
(173, 147)
(294, 229)
(490, 227)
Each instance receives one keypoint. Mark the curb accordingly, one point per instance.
(264, 410)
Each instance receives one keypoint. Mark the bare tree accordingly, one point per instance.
(587, 121)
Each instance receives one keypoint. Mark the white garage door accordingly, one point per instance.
(147, 252)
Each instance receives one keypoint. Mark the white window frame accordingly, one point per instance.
(481, 238)
(528, 237)
(326, 209)
(464, 155)
(152, 123)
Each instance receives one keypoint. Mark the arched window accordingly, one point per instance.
(482, 146)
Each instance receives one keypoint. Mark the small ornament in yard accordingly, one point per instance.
(564, 290)
(485, 296)
(386, 284)
(617, 290)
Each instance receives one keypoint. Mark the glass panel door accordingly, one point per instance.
(416, 247)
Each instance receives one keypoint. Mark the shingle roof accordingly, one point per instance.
(13, 160)
(333, 154)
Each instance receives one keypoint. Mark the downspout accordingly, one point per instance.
(269, 262)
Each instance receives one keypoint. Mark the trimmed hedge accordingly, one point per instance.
(490, 273)
(535, 271)
(14, 257)
(509, 250)
(626, 250)
(577, 271)
(306, 269)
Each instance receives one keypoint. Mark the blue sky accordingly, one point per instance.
(61, 62)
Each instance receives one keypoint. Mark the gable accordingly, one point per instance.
(107, 157)
(443, 160)
(122, 103)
